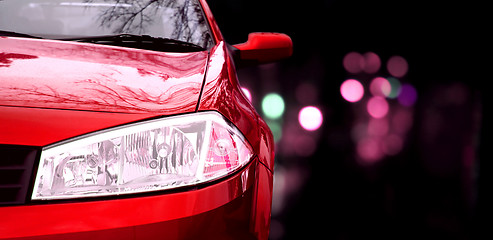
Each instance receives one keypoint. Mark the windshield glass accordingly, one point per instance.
(181, 20)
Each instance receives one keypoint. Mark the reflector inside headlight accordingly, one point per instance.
(148, 156)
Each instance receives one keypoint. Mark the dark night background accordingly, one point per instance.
(435, 185)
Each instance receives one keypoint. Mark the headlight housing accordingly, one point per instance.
(148, 156)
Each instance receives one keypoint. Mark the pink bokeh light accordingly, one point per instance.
(402, 121)
(305, 146)
(397, 66)
(380, 86)
(369, 150)
(353, 62)
(377, 107)
(378, 126)
(372, 62)
(310, 118)
(352, 90)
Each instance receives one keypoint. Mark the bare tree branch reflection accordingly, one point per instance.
(125, 12)
(184, 17)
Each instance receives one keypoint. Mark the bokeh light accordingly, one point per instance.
(273, 106)
(353, 62)
(310, 118)
(395, 87)
(352, 90)
(377, 107)
(369, 150)
(402, 120)
(378, 126)
(408, 95)
(380, 86)
(372, 62)
(247, 93)
(397, 66)
(305, 145)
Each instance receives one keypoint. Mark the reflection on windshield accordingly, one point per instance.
(176, 19)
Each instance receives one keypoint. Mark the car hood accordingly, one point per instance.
(52, 90)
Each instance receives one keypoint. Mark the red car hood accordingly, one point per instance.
(52, 90)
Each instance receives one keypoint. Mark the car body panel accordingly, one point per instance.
(221, 92)
(41, 127)
(53, 91)
(43, 79)
(90, 77)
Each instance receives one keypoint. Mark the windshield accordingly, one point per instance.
(181, 20)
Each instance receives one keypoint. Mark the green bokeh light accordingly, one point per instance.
(273, 106)
(395, 87)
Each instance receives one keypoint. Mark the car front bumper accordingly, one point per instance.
(236, 207)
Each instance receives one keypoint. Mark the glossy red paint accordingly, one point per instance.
(41, 127)
(51, 91)
(263, 200)
(265, 47)
(93, 77)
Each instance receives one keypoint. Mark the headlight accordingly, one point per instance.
(153, 155)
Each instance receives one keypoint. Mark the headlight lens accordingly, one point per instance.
(148, 156)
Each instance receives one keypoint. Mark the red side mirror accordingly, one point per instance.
(265, 47)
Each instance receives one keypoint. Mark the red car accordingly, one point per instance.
(125, 120)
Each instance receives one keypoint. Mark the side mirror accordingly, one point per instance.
(263, 48)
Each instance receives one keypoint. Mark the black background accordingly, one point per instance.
(425, 191)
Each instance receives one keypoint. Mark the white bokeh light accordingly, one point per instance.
(310, 118)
